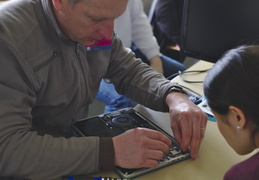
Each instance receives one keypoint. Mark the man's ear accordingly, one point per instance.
(57, 4)
(238, 117)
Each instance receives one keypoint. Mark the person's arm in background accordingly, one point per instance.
(142, 35)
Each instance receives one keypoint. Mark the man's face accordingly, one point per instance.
(88, 22)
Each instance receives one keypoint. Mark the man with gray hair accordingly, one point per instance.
(48, 80)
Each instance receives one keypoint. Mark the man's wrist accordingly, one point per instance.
(173, 88)
(106, 154)
(176, 89)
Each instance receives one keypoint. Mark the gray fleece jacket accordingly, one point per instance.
(47, 82)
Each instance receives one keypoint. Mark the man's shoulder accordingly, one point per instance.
(18, 19)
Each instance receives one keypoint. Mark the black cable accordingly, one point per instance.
(180, 73)
(172, 76)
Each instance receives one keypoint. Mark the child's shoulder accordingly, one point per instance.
(247, 169)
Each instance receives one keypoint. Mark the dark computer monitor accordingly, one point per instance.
(211, 27)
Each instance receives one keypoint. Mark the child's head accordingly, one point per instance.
(232, 91)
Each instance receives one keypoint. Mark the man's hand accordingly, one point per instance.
(188, 122)
(156, 64)
(140, 147)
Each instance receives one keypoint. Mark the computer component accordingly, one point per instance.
(117, 122)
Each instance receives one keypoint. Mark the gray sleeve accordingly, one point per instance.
(136, 79)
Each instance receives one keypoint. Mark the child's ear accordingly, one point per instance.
(237, 117)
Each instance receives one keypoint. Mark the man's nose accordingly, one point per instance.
(106, 30)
